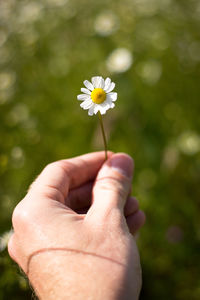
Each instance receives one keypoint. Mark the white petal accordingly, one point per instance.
(88, 85)
(89, 105)
(91, 111)
(107, 83)
(83, 104)
(110, 88)
(98, 82)
(82, 97)
(86, 91)
(96, 108)
(103, 107)
(112, 105)
(112, 96)
(106, 104)
(86, 104)
(103, 110)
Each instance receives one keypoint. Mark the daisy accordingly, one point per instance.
(98, 95)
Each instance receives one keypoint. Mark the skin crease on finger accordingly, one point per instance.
(80, 199)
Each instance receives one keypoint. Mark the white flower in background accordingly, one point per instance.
(4, 239)
(119, 61)
(3, 37)
(106, 23)
(30, 11)
(189, 142)
(98, 95)
(7, 80)
(150, 71)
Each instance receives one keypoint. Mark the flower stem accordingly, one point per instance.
(103, 134)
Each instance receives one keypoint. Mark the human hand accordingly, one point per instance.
(70, 231)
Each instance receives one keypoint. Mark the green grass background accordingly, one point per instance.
(47, 49)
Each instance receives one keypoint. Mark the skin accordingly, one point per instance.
(72, 231)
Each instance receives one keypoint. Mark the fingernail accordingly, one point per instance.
(122, 163)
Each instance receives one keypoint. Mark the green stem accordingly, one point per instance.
(103, 134)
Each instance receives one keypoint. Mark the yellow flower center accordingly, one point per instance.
(98, 96)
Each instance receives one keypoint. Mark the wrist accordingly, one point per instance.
(77, 275)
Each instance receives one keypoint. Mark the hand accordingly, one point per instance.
(70, 231)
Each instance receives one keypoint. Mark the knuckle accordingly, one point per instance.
(11, 246)
(20, 216)
(53, 169)
(58, 167)
(54, 165)
(50, 167)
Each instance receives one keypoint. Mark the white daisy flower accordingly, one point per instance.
(98, 95)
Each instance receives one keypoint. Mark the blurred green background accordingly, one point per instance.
(151, 49)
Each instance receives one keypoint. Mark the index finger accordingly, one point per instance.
(66, 174)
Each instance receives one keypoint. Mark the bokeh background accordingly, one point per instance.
(151, 49)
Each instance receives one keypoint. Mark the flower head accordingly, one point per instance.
(98, 95)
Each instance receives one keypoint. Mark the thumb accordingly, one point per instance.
(111, 187)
